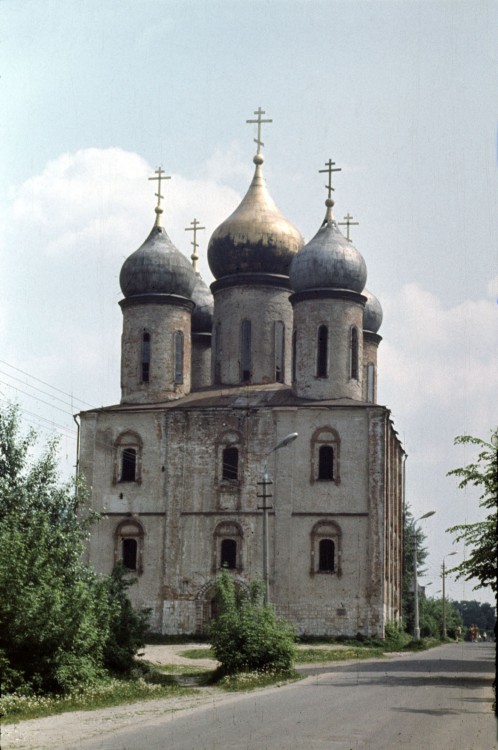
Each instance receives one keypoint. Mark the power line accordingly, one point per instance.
(70, 395)
(30, 395)
(40, 390)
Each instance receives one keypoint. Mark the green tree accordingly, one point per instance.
(480, 538)
(60, 623)
(431, 618)
(246, 636)
(477, 613)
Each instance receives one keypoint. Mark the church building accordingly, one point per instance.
(248, 436)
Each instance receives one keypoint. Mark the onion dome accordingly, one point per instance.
(372, 314)
(256, 238)
(328, 261)
(157, 267)
(202, 316)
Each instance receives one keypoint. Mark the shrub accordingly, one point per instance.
(247, 636)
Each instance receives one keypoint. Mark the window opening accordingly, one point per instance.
(229, 554)
(246, 351)
(128, 465)
(279, 351)
(322, 352)
(129, 549)
(326, 551)
(230, 463)
(294, 355)
(145, 360)
(370, 382)
(354, 353)
(217, 353)
(326, 462)
(178, 357)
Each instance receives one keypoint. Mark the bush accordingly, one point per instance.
(127, 627)
(247, 636)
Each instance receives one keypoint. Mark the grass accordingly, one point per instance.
(198, 653)
(315, 655)
(109, 692)
(165, 681)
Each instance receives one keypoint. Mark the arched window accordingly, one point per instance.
(230, 468)
(294, 355)
(129, 549)
(128, 465)
(325, 455)
(229, 554)
(326, 555)
(322, 352)
(279, 351)
(217, 353)
(245, 351)
(370, 383)
(326, 548)
(326, 462)
(354, 369)
(229, 461)
(127, 458)
(228, 539)
(145, 358)
(128, 545)
(178, 357)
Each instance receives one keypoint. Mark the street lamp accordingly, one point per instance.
(444, 597)
(265, 508)
(416, 627)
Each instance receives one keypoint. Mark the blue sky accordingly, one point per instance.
(402, 95)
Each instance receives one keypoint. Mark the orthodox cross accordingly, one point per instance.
(330, 169)
(161, 175)
(194, 257)
(259, 122)
(348, 223)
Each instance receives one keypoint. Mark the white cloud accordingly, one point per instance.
(436, 357)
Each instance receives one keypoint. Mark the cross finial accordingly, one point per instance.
(160, 175)
(348, 223)
(194, 228)
(330, 169)
(259, 121)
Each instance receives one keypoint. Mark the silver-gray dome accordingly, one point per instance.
(328, 261)
(202, 316)
(372, 314)
(157, 267)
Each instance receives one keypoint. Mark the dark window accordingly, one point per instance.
(129, 465)
(245, 347)
(130, 553)
(178, 357)
(217, 353)
(279, 351)
(370, 382)
(322, 352)
(354, 353)
(230, 463)
(229, 553)
(326, 553)
(326, 462)
(145, 362)
(294, 355)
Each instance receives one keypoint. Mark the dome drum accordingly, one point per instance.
(157, 299)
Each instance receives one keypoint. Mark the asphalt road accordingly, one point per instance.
(437, 699)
